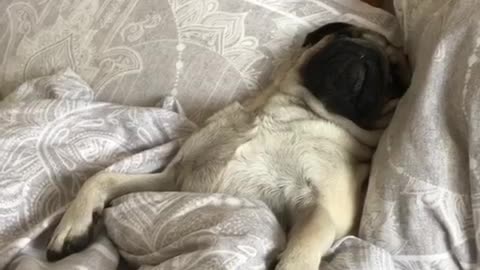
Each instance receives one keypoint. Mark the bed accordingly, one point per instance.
(90, 85)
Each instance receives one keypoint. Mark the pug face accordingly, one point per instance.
(355, 72)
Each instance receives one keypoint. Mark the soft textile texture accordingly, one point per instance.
(194, 231)
(206, 52)
(54, 135)
(422, 207)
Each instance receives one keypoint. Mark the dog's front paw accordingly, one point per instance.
(75, 230)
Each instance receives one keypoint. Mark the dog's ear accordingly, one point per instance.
(328, 29)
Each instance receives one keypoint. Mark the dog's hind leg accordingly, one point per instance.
(309, 239)
(74, 231)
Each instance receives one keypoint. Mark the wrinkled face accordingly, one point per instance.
(354, 72)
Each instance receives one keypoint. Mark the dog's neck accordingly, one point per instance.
(291, 85)
(288, 82)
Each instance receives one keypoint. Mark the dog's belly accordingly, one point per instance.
(259, 158)
(272, 168)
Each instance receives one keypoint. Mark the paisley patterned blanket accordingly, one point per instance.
(421, 209)
(57, 131)
(54, 135)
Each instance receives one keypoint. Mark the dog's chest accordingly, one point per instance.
(270, 163)
(276, 165)
(270, 157)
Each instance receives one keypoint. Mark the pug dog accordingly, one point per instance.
(303, 146)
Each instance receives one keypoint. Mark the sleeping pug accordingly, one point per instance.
(303, 146)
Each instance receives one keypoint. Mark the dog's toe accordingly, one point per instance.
(69, 240)
(53, 255)
(73, 234)
(77, 243)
